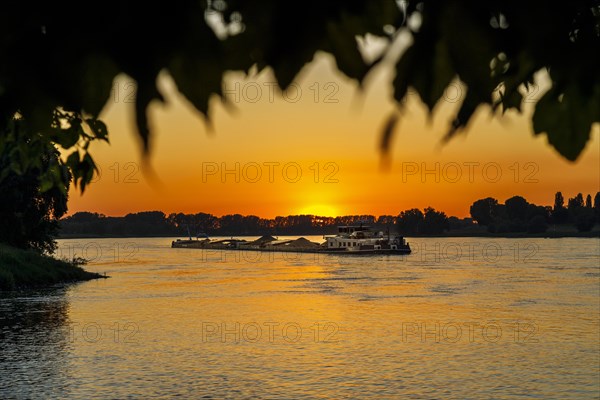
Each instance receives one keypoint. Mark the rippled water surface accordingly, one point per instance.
(460, 318)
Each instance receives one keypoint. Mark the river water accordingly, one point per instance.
(459, 318)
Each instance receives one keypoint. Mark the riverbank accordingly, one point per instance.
(22, 269)
(454, 233)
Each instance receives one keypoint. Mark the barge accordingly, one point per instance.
(350, 240)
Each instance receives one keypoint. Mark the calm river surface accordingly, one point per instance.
(460, 318)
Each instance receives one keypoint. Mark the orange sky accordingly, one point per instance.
(316, 151)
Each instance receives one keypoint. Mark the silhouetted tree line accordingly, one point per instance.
(518, 215)
(515, 215)
(426, 222)
(157, 223)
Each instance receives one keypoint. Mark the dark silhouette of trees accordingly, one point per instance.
(588, 201)
(581, 213)
(462, 224)
(559, 201)
(576, 211)
(155, 223)
(484, 211)
(193, 224)
(515, 215)
(386, 220)
(537, 224)
(518, 215)
(585, 220)
(30, 207)
(576, 203)
(428, 222)
(435, 222)
(410, 221)
(150, 222)
(517, 208)
(560, 215)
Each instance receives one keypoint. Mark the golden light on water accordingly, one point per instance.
(270, 322)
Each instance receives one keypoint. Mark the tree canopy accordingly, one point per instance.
(61, 58)
(518, 215)
(29, 212)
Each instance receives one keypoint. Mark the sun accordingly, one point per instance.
(321, 210)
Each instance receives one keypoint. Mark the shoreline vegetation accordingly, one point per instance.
(515, 218)
(26, 269)
(508, 235)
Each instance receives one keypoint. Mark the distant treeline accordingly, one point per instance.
(516, 215)
(156, 223)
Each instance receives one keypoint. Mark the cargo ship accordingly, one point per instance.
(350, 239)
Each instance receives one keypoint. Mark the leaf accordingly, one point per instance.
(198, 68)
(512, 100)
(99, 128)
(566, 119)
(466, 111)
(96, 82)
(16, 168)
(146, 92)
(87, 167)
(69, 137)
(426, 65)
(433, 78)
(345, 50)
(197, 80)
(387, 133)
(46, 183)
(73, 160)
(467, 31)
(521, 71)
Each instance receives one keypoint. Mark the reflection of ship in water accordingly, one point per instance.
(360, 239)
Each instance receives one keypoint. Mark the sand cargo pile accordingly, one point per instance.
(353, 240)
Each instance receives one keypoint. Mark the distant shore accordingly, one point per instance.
(509, 235)
(23, 269)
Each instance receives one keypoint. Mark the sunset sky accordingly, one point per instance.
(315, 151)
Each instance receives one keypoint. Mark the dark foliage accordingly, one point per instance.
(29, 212)
(518, 215)
(59, 58)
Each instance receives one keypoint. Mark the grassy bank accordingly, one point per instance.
(21, 269)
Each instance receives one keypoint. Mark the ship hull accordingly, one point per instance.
(368, 252)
